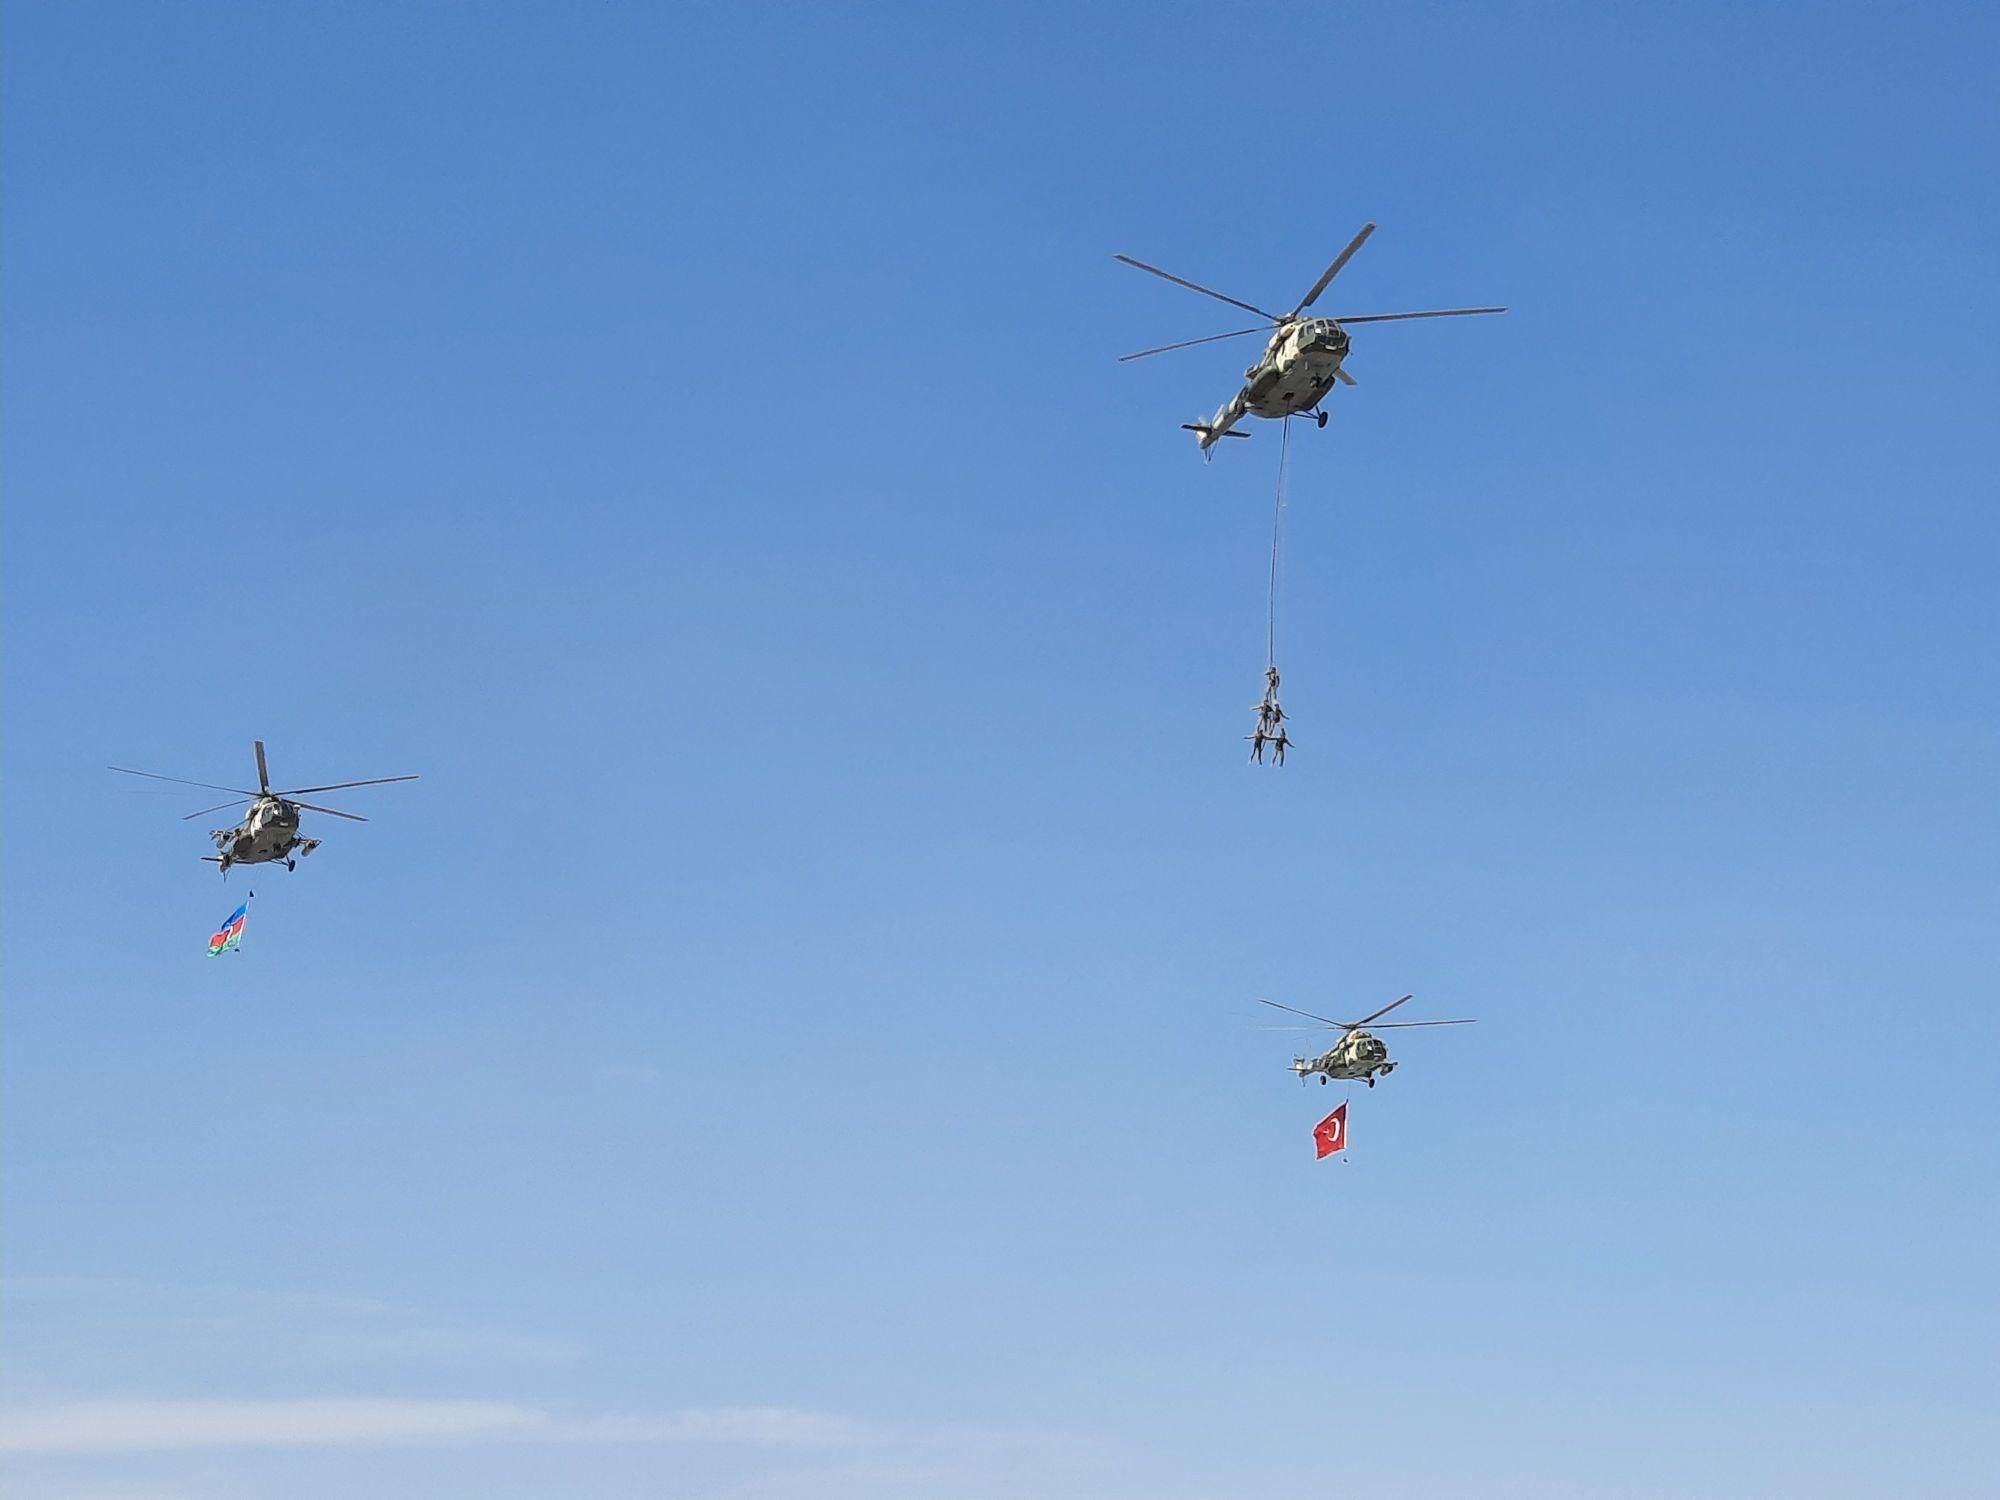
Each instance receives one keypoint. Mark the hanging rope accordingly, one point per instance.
(1270, 732)
(1277, 523)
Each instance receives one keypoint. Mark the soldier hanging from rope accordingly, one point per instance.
(1270, 730)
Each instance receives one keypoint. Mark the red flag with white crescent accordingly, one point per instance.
(1330, 1135)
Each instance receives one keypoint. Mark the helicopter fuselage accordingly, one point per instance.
(269, 831)
(1358, 1054)
(1298, 367)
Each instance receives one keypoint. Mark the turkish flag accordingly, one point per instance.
(1330, 1135)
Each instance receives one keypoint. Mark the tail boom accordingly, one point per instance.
(1208, 434)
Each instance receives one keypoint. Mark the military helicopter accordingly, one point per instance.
(270, 830)
(1357, 1054)
(1301, 362)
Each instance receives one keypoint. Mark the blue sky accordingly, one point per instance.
(798, 1036)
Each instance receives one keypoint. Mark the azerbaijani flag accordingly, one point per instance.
(231, 933)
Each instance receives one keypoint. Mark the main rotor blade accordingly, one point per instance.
(217, 808)
(1442, 312)
(336, 812)
(1387, 1024)
(1382, 1012)
(1189, 343)
(1338, 1025)
(1334, 270)
(340, 785)
(181, 780)
(263, 773)
(1195, 286)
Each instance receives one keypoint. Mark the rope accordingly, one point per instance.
(1277, 520)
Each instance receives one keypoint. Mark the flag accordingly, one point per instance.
(230, 935)
(1330, 1135)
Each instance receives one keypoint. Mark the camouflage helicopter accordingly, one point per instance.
(1358, 1054)
(270, 830)
(1303, 359)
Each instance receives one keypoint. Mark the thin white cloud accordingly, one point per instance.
(141, 1424)
(66, 1329)
(758, 1426)
(111, 1426)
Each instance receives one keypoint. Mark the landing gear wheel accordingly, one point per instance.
(1322, 1080)
(1371, 1080)
(1319, 417)
(291, 864)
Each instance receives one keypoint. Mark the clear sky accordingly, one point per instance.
(798, 1038)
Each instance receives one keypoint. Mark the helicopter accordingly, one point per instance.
(1358, 1053)
(270, 830)
(1303, 359)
